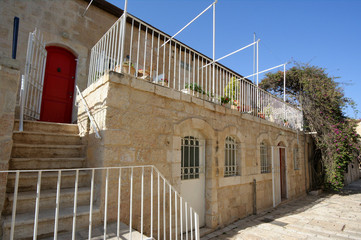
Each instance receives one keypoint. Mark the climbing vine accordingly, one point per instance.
(322, 101)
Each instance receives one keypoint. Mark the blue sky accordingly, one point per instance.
(325, 33)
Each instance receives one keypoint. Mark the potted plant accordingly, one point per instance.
(235, 105)
(268, 112)
(261, 115)
(285, 122)
(225, 101)
(125, 68)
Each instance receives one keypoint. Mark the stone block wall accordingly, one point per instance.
(9, 83)
(142, 124)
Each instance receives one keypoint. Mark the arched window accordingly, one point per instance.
(190, 158)
(230, 157)
(265, 166)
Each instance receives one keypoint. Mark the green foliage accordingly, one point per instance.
(232, 88)
(196, 88)
(225, 100)
(322, 102)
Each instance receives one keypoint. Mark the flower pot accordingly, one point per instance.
(126, 70)
(261, 115)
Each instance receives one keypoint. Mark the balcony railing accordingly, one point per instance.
(177, 66)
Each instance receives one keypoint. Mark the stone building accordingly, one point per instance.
(227, 161)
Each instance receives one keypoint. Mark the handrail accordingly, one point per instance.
(22, 102)
(157, 206)
(92, 121)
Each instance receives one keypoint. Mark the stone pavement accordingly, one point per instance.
(327, 216)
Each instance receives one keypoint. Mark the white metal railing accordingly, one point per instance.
(139, 196)
(32, 81)
(154, 56)
(91, 118)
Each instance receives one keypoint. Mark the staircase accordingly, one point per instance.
(45, 145)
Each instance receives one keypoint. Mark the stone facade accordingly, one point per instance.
(142, 123)
(9, 83)
(61, 23)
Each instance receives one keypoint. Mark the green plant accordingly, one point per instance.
(225, 100)
(232, 88)
(323, 101)
(195, 87)
(268, 110)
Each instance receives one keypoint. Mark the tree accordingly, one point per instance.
(322, 101)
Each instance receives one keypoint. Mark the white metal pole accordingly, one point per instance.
(254, 54)
(284, 82)
(229, 54)
(75, 203)
(123, 33)
(91, 204)
(257, 62)
(15, 201)
(284, 90)
(57, 206)
(189, 23)
(214, 47)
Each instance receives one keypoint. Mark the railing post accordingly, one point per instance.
(123, 35)
(91, 204)
(37, 206)
(106, 203)
(131, 204)
(14, 205)
(119, 189)
(151, 203)
(57, 205)
(75, 203)
(22, 102)
(142, 204)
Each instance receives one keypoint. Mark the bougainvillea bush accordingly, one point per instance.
(322, 101)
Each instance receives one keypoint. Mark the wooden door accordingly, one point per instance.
(57, 100)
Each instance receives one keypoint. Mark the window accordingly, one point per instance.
(265, 168)
(295, 159)
(190, 158)
(230, 158)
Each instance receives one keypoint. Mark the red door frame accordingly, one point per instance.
(58, 89)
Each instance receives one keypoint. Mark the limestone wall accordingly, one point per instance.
(9, 82)
(62, 24)
(143, 123)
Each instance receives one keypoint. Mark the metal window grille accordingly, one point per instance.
(264, 159)
(190, 168)
(230, 158)
(295, 159)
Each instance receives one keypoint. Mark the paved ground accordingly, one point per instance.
(327, 216)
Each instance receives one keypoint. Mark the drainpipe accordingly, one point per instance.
(15, 37)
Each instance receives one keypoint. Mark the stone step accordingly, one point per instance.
(38, 126)
(24, 224)
(46, 138)
(26, 200)
(21, 150)
(45, 163)
(98, 233)
(28, 180)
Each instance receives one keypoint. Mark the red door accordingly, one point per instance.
(58, 90)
